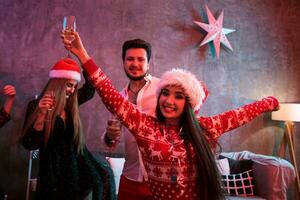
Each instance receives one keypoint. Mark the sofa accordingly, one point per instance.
(272, 176)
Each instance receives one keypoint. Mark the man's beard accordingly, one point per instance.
(136, 78)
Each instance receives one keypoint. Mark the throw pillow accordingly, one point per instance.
(223, 166)
(238, 166)
(241, 184)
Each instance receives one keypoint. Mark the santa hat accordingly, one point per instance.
(65, 68)
(195, 90)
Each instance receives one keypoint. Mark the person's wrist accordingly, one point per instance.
(83, 56)
(10, 99)
(42, 112)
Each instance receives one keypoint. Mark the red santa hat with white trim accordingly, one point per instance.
(66, 68)
(194, 89)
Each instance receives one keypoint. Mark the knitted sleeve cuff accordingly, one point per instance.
(90, 67)
(272, 103)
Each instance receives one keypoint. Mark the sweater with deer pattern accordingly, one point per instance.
(170, 162)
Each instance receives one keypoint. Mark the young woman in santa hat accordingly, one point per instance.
(67, 169)
(177, 145)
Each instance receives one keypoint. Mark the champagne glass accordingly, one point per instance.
(69, 25)
(51, 94)
(114, 122)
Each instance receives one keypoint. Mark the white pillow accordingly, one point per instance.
(223, 166)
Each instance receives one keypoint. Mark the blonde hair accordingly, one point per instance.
(59, 86)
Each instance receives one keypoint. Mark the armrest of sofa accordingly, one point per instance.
(272, 175)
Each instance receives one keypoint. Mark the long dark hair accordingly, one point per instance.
(208, 180)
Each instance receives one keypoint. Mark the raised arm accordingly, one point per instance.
(86, 92)
(217, 125)
(125, 111)
(10, 92)
(4, 117)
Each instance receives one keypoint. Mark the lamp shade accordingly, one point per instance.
(287, 112)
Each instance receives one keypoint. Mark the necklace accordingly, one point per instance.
(134, 92)
(174, 159)
(133, 95)
(173, 169)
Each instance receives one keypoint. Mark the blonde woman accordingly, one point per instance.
(67, 169)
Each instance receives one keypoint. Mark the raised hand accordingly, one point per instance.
(75, 46)
(47, 102)
(272, 102)
(9, 91)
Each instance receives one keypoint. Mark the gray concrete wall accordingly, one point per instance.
(265, 61)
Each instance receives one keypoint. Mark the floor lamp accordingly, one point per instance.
(289, 113)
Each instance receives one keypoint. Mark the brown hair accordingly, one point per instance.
(59, 86)
(136, 43)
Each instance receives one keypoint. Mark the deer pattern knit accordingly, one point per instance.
(161, 145)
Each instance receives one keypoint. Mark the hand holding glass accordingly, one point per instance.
(51, 95)
(113, 128)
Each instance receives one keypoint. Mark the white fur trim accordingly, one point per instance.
(65, 74)
(192, 87)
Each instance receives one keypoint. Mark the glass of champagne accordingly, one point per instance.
(69, 25)
(50, 94)
(114, 122)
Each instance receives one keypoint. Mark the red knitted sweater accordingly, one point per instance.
(164, 152)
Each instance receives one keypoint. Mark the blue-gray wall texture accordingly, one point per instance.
(265, 61)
